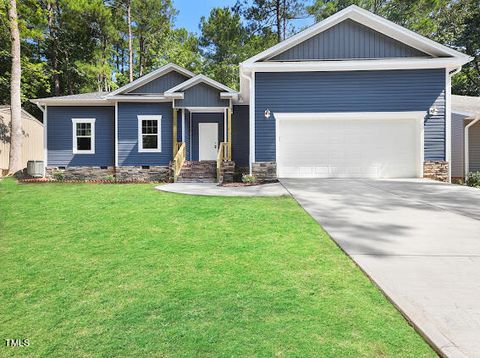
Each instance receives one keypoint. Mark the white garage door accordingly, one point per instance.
(348, 147)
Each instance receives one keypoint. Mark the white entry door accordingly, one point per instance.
(207, 141)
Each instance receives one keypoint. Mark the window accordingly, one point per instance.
(83, 135)
(149, 133)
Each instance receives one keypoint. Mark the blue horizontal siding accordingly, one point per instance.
(240, 135)
(201, 95)
(346, 40)
(128, 154)
(355, 91)
(204, 118)
(161, 84)
(60, 141)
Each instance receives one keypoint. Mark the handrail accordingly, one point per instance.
(179, 160)
(221, 156)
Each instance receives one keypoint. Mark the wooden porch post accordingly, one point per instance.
(229, 111)
(174, 132)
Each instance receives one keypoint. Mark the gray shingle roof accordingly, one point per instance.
(81, 96)
(466, 104)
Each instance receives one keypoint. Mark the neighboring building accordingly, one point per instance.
(32, 145)
(352, 96)
(465, 135)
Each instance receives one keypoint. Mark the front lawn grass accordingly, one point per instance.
(127, 271)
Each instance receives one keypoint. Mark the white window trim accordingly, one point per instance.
(149, 117)
(75, 121)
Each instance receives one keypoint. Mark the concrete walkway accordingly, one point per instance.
(212, 189)
(418, 240)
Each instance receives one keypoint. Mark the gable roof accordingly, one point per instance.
(371, 20)
(150, 77)
(175, 92)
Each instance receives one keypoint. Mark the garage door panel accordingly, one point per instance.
(347, 148)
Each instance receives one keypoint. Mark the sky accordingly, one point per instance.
(190, 12)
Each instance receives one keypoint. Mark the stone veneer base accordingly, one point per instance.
(227, 172)
(436, 170)
(265, 171)
(120, 174)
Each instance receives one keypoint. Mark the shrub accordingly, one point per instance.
(58, 176)
(473, 179)
(109, 178)
(249, 179)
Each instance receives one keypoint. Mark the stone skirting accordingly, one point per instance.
(227, 172)
(146, 174)
(436, 170)
(265, 171)
(80, 173)
(119, 174)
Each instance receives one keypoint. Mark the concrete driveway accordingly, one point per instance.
(418, 240)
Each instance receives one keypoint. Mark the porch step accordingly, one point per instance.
(198, 172)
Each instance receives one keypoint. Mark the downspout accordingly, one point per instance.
(466, 144)
(251, 120)
(45, 138)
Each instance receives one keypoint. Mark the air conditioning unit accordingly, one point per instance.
(35, 168)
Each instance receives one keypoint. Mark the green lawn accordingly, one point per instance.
(127, 271)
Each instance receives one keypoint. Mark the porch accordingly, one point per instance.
(202, 144)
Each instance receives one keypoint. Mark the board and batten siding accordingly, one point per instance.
(128, 154)
(60, 132)
(348, 40)
(350, 91)
(161, 84)
(201, 95)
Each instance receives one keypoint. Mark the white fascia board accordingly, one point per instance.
(370, 20)
(128, 98)
(353, 65)
(176, 95)
(228, 95)
(199, 79)
(150, 77)
(73, 102)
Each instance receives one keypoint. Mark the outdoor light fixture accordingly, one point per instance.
(267, 113)
(433, 111)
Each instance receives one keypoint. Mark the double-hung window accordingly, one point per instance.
(83, 135)
(149, 133)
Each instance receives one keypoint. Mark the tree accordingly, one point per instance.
(272, 14)
(153, 19)
(15, 163)
(225, 42)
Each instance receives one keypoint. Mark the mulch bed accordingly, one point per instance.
(237, 184)
(46, 180)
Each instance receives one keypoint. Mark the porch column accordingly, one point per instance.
(229, 113)
(174, 127)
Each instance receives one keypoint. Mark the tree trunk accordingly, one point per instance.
(285, 14)
(141, 57)
(15, 163)
(130, 45)
(52, 29)
(278, 11)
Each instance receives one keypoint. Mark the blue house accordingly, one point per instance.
(355, 95)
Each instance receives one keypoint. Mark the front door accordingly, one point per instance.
(208, 141)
